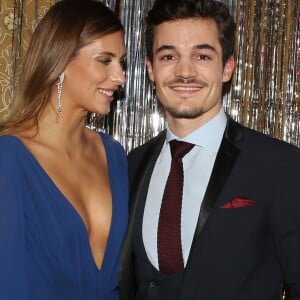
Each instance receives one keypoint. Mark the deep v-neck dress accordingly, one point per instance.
(45, 252)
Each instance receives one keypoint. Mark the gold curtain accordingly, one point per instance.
(266, 86)
(18, 21)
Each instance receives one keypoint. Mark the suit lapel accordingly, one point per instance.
(224, 163)
(146, 165)
(139, 188)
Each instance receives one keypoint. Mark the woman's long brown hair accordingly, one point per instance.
(67, 27)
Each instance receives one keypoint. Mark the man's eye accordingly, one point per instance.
(167, 57)
(203, 57)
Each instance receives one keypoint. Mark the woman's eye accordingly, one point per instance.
(104, 61)
(123, 63)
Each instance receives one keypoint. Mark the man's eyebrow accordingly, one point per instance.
(165, 47)
(205, 46)
(198, 46)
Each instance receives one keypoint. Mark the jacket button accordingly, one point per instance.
(152, 284)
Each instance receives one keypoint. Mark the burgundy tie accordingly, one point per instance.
(169, 248)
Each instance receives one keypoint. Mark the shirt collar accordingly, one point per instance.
(206, 134)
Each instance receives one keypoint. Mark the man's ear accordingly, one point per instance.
(228, 69)
(149, 68)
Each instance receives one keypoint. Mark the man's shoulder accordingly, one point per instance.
(153, 142)
(266, 140)
(261, 144)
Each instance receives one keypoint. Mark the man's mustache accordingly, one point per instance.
(181, 80)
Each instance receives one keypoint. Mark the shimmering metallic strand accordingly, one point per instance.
(294, 78)
(243, 62)
(268, 105)
(280, 5)
(287, 41)
(280, 64)
(232, 102)
(290, 65)
(295, 70)
(137, 108)
(263, 53)
(110, 3)
(249, 18)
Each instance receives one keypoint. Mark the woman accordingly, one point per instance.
(63, 187)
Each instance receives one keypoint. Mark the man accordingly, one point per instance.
(239, 227)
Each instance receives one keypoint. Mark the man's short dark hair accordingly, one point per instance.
(171, 10)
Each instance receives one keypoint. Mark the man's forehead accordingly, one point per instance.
(192, 33)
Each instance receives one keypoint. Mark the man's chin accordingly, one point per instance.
(184, 114)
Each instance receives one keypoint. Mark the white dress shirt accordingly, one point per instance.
(197, 166)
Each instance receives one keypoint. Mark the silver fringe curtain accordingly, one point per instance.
(266, 84)
(265, 92)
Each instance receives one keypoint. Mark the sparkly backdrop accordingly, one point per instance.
(265, 88)
(266, 84)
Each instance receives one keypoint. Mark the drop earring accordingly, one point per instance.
(59, 93)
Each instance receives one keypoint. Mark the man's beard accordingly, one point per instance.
(190, 113)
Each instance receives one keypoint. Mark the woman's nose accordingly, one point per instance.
(119, 76)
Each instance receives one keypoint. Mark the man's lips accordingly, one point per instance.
(185, 88)
(186, 91)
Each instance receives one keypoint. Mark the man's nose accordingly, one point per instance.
(185, 69)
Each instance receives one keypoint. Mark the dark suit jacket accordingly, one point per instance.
(246, 252)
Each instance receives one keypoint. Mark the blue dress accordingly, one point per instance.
(44, 247)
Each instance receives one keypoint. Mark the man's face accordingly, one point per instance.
(187, 68)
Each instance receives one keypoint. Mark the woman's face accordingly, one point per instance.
(94, 74)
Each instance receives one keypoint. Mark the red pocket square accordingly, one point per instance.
(238, 202)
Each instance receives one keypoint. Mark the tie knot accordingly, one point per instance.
(179, 149)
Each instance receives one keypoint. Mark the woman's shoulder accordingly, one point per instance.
(7, 138)
(111, 143)
(11, 153)
(9, 144)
